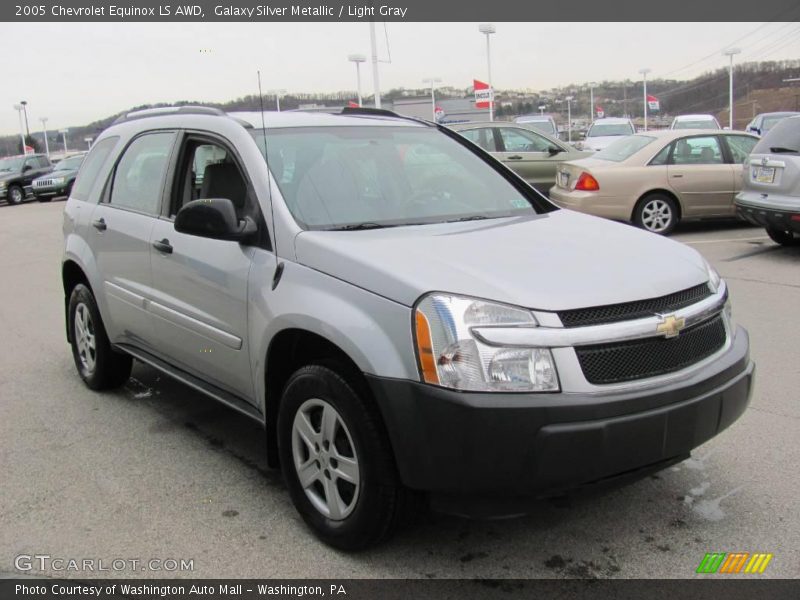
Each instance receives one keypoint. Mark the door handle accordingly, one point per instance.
(677, 176)
(163, 246)
(100, 224)
(515, 157)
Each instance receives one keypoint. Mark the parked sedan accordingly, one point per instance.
(604, 132)
(762, 123)
(531, 154)
(695, 122)
(59, 181)
(658, 178)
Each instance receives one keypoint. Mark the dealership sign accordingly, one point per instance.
(484, 95)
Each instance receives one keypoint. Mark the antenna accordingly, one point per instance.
(278, 265)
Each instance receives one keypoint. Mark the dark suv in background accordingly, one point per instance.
(17, 174)
(59, 181)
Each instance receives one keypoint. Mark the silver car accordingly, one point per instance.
(770, 194)
(407, 319)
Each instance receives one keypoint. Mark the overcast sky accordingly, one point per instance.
(76, 73)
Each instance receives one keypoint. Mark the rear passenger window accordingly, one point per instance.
(139, 176)
(741, 146)
(482, 137)
(90, 168)
(662, 157)
(697, 151)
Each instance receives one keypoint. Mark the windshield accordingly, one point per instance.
(769, 122)
(604, 129)
(783, 138)
(543, 126)
(11, 164)
(383, 176)
(624, 148)
(69, 164)
(696, 124)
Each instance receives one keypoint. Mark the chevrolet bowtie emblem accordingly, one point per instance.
(670, 326)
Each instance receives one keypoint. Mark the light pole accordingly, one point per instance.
(541, 109)
(24, 104)
(731, 52)
(64, 133)
(569, 118)
(591, 101)
(88, 141)
(18, 108)
(432, 81)
(44, 129)
(358, 59)
(644, 73)
(278, 94)
(374, 50)
(488, 29)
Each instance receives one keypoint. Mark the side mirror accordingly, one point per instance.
(214, 218)
(553, 150)
(27, 168)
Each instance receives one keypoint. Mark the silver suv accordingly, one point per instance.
(770, 194)
(406, 317)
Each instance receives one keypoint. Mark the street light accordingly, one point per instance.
(591, 101)
(541, 109)
(24, 104)
(19, 108)
(644, 73)
(488, 29)
(278, 94)
(358, 59)
(64, 133)
(569, 118)
(44, 129)
(432, 81)
(730, 52)
(373, 47)
(88, 141)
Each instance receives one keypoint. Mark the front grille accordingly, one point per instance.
(639, 309)
(638, 359)
(41, 183)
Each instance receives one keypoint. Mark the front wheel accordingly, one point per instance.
(337, 460)
(44, 198)
(784, 238)
(98, 364)
(656, 213)
(15, 195)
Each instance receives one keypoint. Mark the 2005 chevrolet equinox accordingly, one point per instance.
(405, 316)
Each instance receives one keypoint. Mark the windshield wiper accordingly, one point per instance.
(472, 218)
(782, 150)
(359, 227)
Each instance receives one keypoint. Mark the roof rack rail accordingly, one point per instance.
(169, 110)
(381, 112)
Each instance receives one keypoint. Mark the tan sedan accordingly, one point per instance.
(658, 178)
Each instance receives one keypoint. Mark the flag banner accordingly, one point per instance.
(484, 95)
(598, 110)
(352, 104)
(653, 103)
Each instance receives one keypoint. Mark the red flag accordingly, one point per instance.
(599, 112)
(483, 94)
(28, 150)
(653, 103)
(352, 104)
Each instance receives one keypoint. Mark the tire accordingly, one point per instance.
(348, 508)
(784, 238)
(15, 195)
(99, 366)
(656, 213)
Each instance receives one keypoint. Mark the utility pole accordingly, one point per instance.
(374, 49)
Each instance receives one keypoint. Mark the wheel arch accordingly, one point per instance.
(71, 275)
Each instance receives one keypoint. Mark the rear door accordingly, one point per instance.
(119, 235)
(528, 154)
(701, 177)
(199, 302)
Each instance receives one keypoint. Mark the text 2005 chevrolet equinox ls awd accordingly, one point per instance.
(405, 316)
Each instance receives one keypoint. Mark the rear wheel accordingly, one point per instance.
(337, 460)
(657, 213)
(98, 364)
(784, 238)
(15, 195)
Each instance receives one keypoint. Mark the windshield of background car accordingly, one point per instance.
(624, 148)
(11, 164)
(543, 126)
(698, 124)
(374, 176)
(769, 122)
(604, 129)
(784, 138)
(69, 164)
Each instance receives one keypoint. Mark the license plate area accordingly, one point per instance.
(563, 179)
(763, 174)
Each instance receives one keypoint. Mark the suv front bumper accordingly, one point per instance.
(503, 445)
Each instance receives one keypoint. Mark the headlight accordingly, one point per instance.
(714, 278)
(2, 184)
(451, 356)
(57, 180)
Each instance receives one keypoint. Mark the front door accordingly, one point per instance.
(200, 284)
(528, 154)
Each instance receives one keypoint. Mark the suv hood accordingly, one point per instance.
(555, 261)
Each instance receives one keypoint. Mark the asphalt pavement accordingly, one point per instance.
(157, 471)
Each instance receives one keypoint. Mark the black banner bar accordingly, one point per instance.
(398, 10)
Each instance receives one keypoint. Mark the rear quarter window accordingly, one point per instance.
(91, 166)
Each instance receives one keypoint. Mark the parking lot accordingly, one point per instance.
(157, 471)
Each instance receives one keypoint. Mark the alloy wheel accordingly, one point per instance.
(85, 337)
(656, 215)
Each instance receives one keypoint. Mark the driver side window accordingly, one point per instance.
(520, 140)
